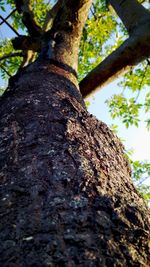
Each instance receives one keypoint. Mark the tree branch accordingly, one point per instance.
(24, 7)
(24, 42)
(66, 31)
(10, 14)
(5, 21)
(2, 67)
(134, 50)
(19, 54)
(131, 13)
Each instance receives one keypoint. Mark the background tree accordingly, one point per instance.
(64, 179)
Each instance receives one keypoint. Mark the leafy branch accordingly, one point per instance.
(24, 7)
(9, 55)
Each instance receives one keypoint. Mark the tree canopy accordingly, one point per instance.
(110, 46)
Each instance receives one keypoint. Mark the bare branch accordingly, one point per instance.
(134, 50)
(4, 20)
(93, 12)
(24, 7)
(131, 13)
(2, 67)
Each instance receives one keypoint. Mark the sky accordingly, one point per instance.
(134, 138)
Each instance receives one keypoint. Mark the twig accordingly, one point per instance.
(19, 54)
(93, 12)
(5, 70)
(144, 179)
(4, 20)
(141, 82)
(8, 16)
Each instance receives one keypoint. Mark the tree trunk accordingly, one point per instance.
(67, 198)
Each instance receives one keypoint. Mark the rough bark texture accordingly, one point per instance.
(66, 194)
(61, 41)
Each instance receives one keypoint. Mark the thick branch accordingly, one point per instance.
(24, 42)
(131, 13)
(134, 50)
(24, 7)
(64, 37)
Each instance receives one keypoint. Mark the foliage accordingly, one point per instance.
(141, 172)
(127, 109)
(10, 64)
(40, 9)
(134, 83)
(99, 28)
(140, 169)
(87, 103)
(2, 89)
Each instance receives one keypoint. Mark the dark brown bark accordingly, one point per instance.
(66, 194)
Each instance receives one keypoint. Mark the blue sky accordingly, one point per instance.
(134, 138)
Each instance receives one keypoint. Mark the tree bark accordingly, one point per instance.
(67, 198)
(137, 14)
